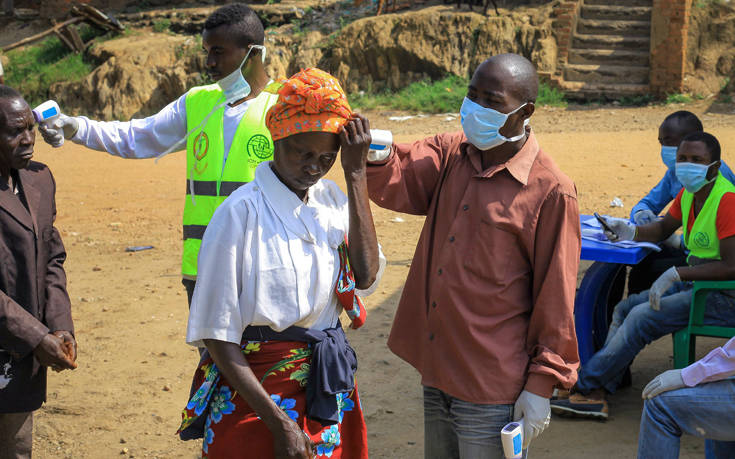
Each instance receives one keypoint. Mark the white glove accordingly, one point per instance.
(536, 413)
(623, 230)
(63, 127)
(673, 241)
(666, 381)
(662, 284)
(643, 217)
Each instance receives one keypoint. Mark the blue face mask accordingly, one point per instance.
(234, 85)
(693, 176)
(481, 125)
(668, 156)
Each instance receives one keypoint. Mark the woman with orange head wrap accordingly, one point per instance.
(280, 260)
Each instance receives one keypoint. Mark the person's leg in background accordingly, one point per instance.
(705, 411)
(16, 435)
(189, 285)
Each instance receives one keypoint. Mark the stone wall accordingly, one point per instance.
(565, 22)
(669, 30)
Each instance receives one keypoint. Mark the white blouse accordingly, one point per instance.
(267, 258)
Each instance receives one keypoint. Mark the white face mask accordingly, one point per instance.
(481, 125)
(234, 85)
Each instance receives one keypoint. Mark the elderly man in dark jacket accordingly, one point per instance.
(36, 329)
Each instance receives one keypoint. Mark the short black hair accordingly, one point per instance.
(6, 92)
(244, 20)
(710, 141)
(688, 121)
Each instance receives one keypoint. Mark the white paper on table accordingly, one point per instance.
(596, 234)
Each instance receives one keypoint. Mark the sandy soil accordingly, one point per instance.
(130, 309)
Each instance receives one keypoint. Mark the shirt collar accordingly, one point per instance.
(295, 215)
(519, 166)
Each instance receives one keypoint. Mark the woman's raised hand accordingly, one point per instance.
(355, 142)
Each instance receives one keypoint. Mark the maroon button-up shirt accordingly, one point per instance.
(487, 310)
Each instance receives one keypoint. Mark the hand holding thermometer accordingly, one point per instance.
(47, 113)
(603, 223)
(512, 438)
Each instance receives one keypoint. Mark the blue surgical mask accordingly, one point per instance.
(693, 176)
(234, 85)
(481, 125)
(668, 156)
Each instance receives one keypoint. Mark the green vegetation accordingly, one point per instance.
(33, 69)
(677, 99)
(441, 96)
(161, 25)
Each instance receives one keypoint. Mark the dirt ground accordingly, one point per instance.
(130, 309)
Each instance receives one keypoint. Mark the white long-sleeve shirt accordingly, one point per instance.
(267, 258)
(151, 136)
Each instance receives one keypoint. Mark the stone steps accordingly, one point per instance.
(596, 91)
(608, 27)
(606, 73)
(615, 12)
(609, 57)
(611, 42)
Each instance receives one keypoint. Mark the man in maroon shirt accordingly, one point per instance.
(486, 315)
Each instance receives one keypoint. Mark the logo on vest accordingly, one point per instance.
(201, 146)
(701, 239)
(260, 146)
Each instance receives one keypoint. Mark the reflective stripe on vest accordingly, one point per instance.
(703, 241)
(211, 182)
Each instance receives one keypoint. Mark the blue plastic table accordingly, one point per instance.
(601, 289)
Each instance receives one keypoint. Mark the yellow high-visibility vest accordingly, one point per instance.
(205, 152)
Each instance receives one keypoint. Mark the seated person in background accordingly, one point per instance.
(274, 277)
(36, 330)
(675, 127)
(698, 400)
(705, 208)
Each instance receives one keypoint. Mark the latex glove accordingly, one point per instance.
(64, 127)
(535, 412)
(662, 284)
(666, 381)
(673, 241)
(643, 217)
(622, 230)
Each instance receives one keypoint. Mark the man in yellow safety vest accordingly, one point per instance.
(223, 125)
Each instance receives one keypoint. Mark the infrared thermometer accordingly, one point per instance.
(512, 438)
(379, 145)
(47, 113)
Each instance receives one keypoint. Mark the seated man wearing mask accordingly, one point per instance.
(486, 313)
(705, 210)
(675, 127)
(222, 126)
(279, 262)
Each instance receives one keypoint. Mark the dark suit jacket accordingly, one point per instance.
(33, 298)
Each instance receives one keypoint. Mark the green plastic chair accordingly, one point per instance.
(685, 339)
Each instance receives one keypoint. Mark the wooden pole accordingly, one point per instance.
(38, 36)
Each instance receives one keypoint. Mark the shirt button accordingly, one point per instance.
(440, 271)
(465, 207)
(451, 238)
(431, 337)
(433, 304)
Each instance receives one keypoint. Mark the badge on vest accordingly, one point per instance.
(260, 147)
(701, 239)
(201, 145)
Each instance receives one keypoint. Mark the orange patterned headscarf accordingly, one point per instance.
(312, 100)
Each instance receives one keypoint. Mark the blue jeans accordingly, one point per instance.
(635, 324)
(706, 411)
(455, 429)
